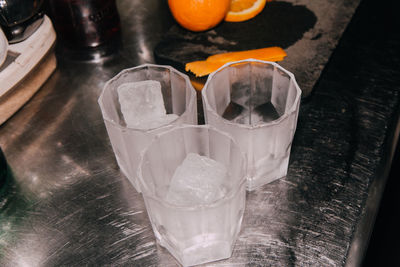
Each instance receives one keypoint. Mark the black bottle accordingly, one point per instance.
(85, 26)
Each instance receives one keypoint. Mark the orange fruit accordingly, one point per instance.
(241, 10)
(198, 15)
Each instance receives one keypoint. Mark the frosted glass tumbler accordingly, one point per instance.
(194, 233)
(257, 102)
(127, 143)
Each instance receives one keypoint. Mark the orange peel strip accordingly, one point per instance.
(212, 63)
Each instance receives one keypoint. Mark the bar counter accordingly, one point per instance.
(66, 203)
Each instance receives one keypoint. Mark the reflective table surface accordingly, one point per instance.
(66, 203)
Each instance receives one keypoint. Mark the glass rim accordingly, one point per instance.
(146, 192)
(292, 109)
(147, 65)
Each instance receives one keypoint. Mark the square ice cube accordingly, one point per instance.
(141, 102)
(198, 180)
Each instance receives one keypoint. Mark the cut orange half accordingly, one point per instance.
(198, 15)
(241, 10)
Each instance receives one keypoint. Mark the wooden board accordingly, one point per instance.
(14, 99)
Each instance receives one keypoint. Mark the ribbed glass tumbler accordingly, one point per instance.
(257, 102)
(178, 96)
(195, 213)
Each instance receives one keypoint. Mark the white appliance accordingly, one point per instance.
(27, 66)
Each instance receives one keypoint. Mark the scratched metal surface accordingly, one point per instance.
(67, 204)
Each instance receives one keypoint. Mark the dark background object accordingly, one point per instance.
(308, 31)
(279, 24)
(86, 28)
(20, 18)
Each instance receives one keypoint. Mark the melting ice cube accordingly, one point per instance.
(198, 180)
(142, 105)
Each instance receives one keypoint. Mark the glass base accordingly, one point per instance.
(197, 251)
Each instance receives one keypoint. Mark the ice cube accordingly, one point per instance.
(198, 180)
(141, 103)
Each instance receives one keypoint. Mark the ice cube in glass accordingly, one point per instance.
(202, 224)
(198, 180)
(179, 106)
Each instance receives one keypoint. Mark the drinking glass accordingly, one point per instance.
(257, 102)
(194, 232)
(127, 143)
